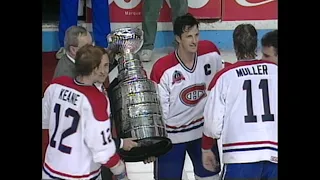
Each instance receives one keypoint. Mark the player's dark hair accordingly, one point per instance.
(270, 39)
(245, 41)
(88, 58)
(184, 23)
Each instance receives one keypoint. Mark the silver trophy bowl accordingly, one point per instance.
(135, 105)
(125, 40)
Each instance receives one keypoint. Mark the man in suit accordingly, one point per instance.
(76, 37)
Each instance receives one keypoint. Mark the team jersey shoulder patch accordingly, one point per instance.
(177, 77)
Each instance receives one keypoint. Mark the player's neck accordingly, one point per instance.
(86, 80)
(245, 57)
(186, 57)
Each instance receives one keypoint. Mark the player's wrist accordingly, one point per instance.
(208, 142)
(119, 171)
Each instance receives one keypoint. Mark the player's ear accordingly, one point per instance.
(178, 39)
(73, 50)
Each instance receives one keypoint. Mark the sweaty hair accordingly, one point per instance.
(88, 58)
(72, 35)
(270, 39)
(245, 41)
(184, 23)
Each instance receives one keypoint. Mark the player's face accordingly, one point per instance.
(269, 53)
(103, 69)
(189, 40)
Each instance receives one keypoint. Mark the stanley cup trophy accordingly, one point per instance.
(135, 105)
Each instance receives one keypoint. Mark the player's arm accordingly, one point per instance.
(157, 76)
(46, 106)
(214, 113)
(101, 87)
(98, 137)
(120, 143)
(97, 132)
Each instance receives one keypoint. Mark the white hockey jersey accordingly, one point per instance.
(77, 117)
(242, 109)
(182, 91)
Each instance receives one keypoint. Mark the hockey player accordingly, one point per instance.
(242, 110)
(183, 77)
(269, 44)
(77, 116)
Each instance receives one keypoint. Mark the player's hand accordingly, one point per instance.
(149, 160)
(129, 143)
(209, 160)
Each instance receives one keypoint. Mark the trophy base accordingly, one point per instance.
(147, 147)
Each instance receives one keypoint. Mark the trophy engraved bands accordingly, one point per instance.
(135, 105)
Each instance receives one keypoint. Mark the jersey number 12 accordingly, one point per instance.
(71, 130)
(267, 116)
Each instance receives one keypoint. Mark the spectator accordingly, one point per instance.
(151, 12)
(69, 17)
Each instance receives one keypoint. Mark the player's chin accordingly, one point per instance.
(193, 49)
(102, 79)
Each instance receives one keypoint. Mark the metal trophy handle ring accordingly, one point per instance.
(135, 105)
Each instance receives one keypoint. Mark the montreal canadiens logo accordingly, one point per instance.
(191, 95)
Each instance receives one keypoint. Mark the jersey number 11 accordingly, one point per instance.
(267, 116)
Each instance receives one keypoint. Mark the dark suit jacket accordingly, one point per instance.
(65, 67)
